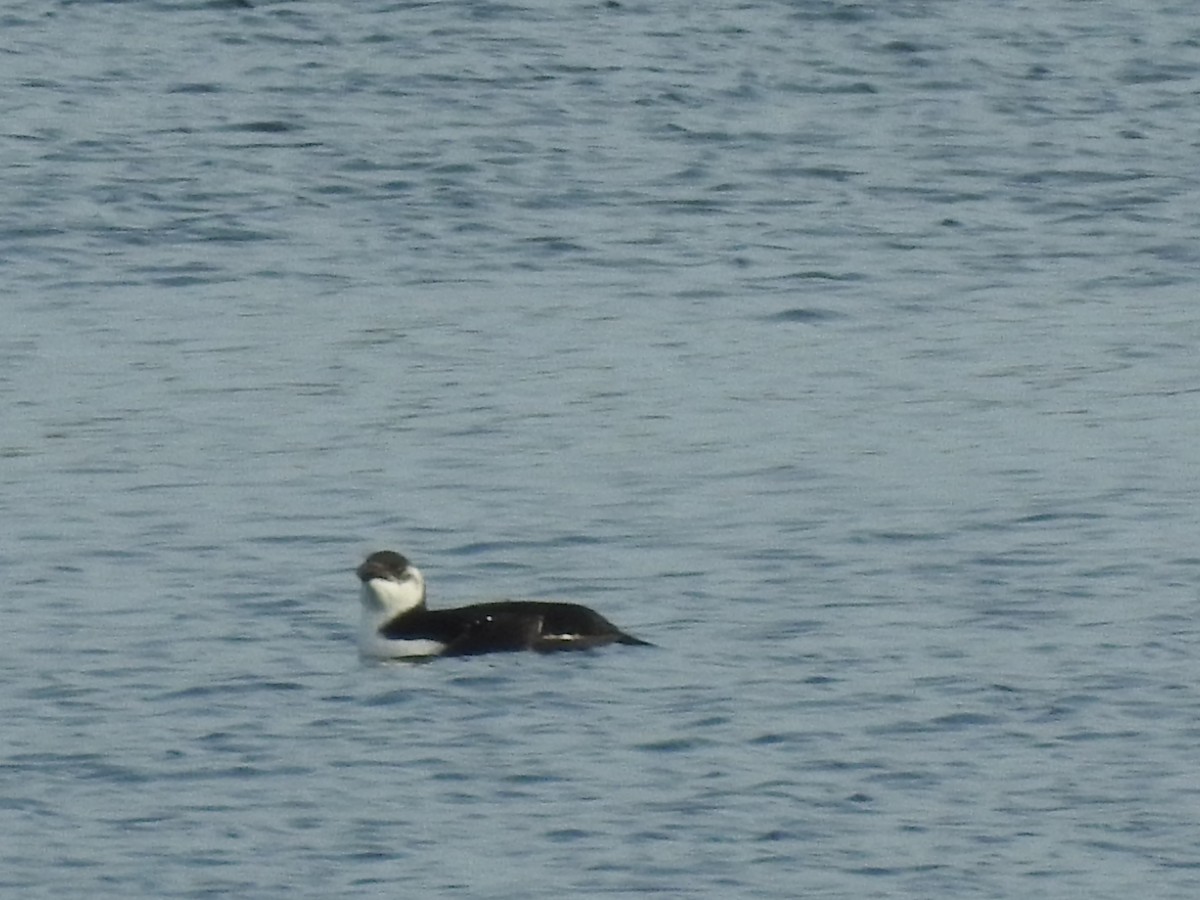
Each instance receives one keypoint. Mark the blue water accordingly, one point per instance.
(846, 351)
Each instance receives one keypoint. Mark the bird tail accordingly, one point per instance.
(632, 641)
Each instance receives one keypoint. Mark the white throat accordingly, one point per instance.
(385, 598)
(382, 600)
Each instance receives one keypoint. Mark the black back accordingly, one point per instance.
(508, 625)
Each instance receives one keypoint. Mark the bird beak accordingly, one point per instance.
(369, 570)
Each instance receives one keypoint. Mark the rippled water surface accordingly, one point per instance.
(846, 351)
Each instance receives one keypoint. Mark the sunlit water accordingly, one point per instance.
(845, 351)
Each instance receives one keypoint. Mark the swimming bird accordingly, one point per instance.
(396, 623)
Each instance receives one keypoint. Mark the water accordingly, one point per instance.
(845, 351)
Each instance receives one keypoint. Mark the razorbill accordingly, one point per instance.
(396, 623)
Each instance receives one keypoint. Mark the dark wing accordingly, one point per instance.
(509, 625)
(495, 633)
(566, 626)
(423, 624)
